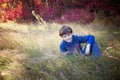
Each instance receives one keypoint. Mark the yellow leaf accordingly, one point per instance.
(4, 5)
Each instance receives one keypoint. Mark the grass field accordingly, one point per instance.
(31, 52)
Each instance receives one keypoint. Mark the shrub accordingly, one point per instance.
(80, 15)
(9, 10)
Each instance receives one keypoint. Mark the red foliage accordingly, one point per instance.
(81, 15)
(10, 11)
(65, 10)
(3, 1)
(18, 11)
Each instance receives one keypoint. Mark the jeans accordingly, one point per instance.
(94, 50)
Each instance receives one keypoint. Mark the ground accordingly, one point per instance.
(31, 52)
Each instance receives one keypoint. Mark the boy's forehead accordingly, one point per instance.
(66, 33)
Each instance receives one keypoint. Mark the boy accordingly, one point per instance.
(72, 43)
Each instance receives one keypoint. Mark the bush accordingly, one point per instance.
(78, 15)
(9, 10)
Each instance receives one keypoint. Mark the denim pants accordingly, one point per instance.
(94, 50)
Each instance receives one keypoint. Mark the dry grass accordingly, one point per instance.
(33, 53)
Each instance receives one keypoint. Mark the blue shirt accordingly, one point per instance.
(75, 44)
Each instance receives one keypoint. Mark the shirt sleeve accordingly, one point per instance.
(86, 39)
(63, 48)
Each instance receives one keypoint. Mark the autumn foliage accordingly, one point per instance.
(9, 10)
(83, 11)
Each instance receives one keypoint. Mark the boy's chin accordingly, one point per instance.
(68, 40)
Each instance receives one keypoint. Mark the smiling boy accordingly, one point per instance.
(71, 44)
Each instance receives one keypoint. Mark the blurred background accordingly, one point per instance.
(29, 39)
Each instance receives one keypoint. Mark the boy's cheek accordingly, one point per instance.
(64, 36)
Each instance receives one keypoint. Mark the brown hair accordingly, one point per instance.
(65, 30)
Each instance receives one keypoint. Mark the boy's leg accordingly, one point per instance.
(95, 50)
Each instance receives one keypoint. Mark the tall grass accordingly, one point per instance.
(38, 47)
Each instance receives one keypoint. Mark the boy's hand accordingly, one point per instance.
(87, 51)
(65, 53)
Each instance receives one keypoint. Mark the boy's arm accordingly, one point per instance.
(63, 50)
(89, 39)
(87, 50)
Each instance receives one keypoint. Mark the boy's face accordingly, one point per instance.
(67, 37)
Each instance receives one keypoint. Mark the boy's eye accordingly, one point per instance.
(66, 35)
